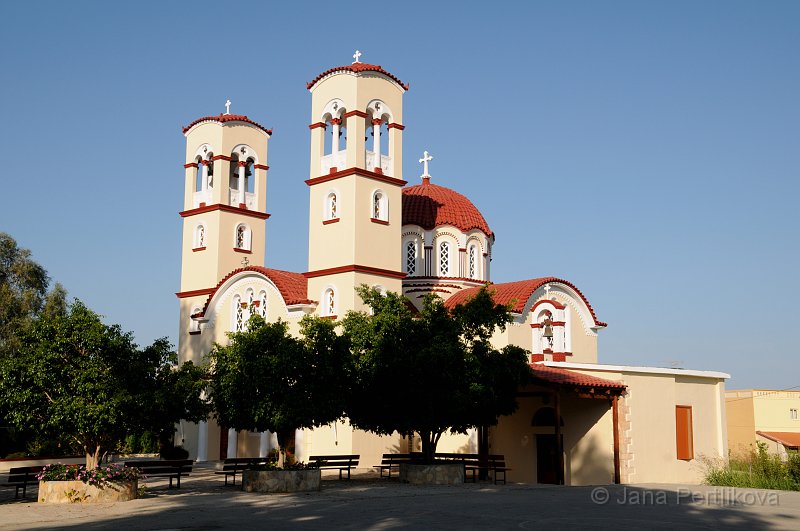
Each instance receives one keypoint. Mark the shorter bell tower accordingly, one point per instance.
(225, 200)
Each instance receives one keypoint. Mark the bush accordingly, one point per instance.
(174, 452)
(97, 476)
(755, 469)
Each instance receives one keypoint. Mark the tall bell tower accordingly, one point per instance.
(224, 209)
(356, 178)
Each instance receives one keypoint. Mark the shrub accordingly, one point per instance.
(755, 469)
(98, 477)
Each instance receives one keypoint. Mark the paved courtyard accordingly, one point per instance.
(367, 502)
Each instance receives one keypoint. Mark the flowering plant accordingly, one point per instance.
(97, 476)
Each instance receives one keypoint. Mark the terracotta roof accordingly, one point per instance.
(560, 376)
(292, 286)
(789, 439)
(517, 294)
(356, 68)
(224, 118)
(430, 205)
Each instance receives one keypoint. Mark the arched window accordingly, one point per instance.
(200, 237)
(198, 175)
(331, 207)
(473, 261)
(444, 259)
(380, 206)
(250, 176)
(411, 258)
(233, 174)
(242, 237)
(210, 169)
(262, 304)
(238, 314)
(329, 302)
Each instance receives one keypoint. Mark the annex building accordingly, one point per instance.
(580, 422)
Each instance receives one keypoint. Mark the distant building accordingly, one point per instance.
(763, 415)
(578, 423)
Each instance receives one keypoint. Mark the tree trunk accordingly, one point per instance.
(286, 446)
(92, 459)
(429, 441)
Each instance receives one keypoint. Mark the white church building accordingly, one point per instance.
(579, 422)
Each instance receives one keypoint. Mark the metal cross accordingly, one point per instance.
(245, 262)
(426, 158)
(228, 107)
(547, 290)
(356, 57)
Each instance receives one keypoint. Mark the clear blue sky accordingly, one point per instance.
(646, 151)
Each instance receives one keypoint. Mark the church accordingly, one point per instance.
(579, 422)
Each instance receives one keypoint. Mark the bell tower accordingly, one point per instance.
(355, 184)
(224, 206)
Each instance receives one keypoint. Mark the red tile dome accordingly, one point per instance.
(225, 118)
(356, 68)
(429, 206)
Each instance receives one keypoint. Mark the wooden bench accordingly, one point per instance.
(391, 462)
(236, 465)
(20, 477)
(173, 469)
(341, 462)
(473, 467)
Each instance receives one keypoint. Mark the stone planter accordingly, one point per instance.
(435, 474)
(80, 492)
(281, 480)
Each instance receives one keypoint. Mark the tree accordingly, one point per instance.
(266, 379)
(73, 376)
(431, 373)
(23, 293)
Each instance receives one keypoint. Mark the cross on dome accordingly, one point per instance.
(356, 56)
(245, 262)
(426, 158)
(228, 107)
(547, 290)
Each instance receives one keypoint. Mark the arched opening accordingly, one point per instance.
(238, 314)
(250, 176)
(472, 261)
(198, 175)
(233, 173)
(331, 207)
(262, 304)
(199, 237)
(380, 205)
(242, 237)
(329, 302)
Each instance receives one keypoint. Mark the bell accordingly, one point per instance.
(248, 172)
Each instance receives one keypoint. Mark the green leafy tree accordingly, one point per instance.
(266, 379)
(23, 293)
(433, 372)
(75, 377)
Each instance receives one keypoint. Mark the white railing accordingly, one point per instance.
(334, 160)
(249, 199)
(202, 197)
(386, 163)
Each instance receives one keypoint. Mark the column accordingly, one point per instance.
(232, 443)
(202, 441)
(263, 444)
(336, 124)
(376, 144)
(242, 187)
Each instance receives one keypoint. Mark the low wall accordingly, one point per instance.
(80, 492)
(7, 464)
(281, 480)
(434, 474)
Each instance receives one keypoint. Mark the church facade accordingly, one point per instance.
(579, 422)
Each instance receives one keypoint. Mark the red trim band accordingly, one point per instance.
(362, 114)
(329, 221)
(261, 166)
(224, 208)
(222, 157)
(356, 171)
(379, 221)
(396, 126)
(198, 249)
(194, 293)
(245, 251)
(190, 165)
(317, 125)
(355, 268)
(557, 304)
